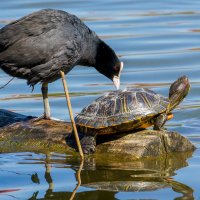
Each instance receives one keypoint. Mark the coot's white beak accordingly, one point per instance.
(116, 82)
(116, 79)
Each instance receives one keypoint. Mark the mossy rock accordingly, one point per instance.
(22, 133)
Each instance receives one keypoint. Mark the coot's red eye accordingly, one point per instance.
(116, 68)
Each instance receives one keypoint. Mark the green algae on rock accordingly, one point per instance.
(50, 135)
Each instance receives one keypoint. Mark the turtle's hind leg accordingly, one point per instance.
(160, 122)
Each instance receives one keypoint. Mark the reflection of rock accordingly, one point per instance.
(140, 175)
(108, 178)
(28, 135)
(110, 169)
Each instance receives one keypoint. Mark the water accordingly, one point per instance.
(158, 42)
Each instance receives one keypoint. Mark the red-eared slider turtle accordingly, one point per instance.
(125, 110)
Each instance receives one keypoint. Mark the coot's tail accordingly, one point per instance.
(1, 48)
(1, 67)
(1, 87)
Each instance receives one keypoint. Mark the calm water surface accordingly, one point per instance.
(158, 41)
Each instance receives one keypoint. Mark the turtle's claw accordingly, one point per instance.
(88, 144)
(88, 149)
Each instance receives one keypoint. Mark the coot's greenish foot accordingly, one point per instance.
(38, 46)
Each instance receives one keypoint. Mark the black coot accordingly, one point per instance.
(37, 46)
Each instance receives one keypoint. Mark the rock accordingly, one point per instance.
(8, 117)
(146, 143)
(29, 135)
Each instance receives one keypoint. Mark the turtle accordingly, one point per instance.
(132, 108)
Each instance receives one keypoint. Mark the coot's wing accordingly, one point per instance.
(36, 38)
(37, 46)
(64, 60)
(30, 25)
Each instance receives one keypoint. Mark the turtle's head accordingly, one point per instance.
(178, 90)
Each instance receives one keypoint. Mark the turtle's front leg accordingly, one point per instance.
(160, 121)
(88, 144)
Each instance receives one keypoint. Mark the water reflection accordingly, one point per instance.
(78, 178)
(50, 194)
(138, 176)
(100, 179)
(47, 176)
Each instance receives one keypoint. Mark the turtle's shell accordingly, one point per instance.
(121, 110)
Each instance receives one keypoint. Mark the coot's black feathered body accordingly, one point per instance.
(37, 46)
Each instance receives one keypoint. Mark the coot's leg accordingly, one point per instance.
(88, 144)
(47, 111)
(160, 121)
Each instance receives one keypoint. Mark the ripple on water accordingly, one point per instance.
(158, 42)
